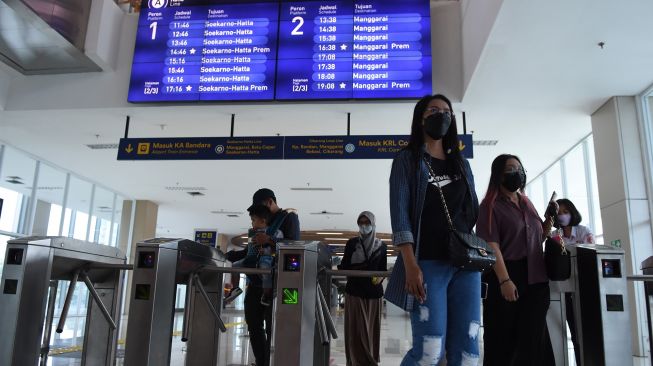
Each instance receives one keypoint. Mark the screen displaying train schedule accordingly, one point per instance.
(225, 50)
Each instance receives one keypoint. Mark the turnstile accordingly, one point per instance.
(303, 323)
(160, 265)
(601, 307)
(32, 267)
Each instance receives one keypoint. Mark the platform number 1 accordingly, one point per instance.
(153, 27)
(297, 31)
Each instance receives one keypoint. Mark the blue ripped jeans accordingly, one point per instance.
(449, 319)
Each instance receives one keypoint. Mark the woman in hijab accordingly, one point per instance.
(363, 295)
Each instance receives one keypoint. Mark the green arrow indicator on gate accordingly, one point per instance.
(290, 296)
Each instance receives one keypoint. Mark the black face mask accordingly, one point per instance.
(437, 125)
(514, 181)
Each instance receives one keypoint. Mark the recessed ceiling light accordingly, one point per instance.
(325, 212)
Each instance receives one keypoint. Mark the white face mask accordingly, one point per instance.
(564, 219)
(365, 229)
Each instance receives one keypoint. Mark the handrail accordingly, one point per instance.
(645, 278)
(256, 271)
(355, 273)
(123, 267)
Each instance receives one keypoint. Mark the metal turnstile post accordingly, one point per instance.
(161, 264)
(31, 264)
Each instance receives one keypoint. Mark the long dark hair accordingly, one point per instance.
(494, 186)
(450, 142)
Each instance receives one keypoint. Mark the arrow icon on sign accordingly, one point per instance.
(461, 146)
(290, 296)
(129, 149)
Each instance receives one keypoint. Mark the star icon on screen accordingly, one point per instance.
(343, 47)
(189, 88)
(192, 51)
(343, 85)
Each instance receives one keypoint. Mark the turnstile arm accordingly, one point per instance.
(327, 314)
(96, 297)
(188, 309)
(199, 285)
(66, 304)
(321, 324)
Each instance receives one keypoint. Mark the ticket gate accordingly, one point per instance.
(160, 265)
(303, 324)
(601, 308)
(29, 286)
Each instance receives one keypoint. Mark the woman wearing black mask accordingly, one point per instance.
(514, 311)
(445, 302)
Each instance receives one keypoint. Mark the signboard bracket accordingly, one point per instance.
(127, 127)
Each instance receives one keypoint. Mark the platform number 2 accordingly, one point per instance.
(297, 31)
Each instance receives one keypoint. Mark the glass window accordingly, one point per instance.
(554, 182)
(577, 190)
(16, 189)
(536, 188)
(79, 201)
(49, 193)
(102, 213)
(117, 219)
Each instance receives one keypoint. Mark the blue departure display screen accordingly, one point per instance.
(224, 50)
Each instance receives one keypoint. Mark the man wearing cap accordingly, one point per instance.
(256, 314)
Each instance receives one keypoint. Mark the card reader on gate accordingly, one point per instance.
(292, 263)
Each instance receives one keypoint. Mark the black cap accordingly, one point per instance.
(261, 195)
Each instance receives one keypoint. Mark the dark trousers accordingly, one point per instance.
(514, 332)
(571, 320)
(259, 324)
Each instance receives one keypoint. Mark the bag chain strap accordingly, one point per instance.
(444, 202)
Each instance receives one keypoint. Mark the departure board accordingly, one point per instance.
(223, 50)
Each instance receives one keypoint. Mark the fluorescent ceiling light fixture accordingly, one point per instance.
(311, 189)
(341, 239)
(330, 233)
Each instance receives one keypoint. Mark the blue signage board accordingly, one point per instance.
(201, 148)
(279, 148)
(347, 49)
(355, 147)
(216, 50)
(207, 237)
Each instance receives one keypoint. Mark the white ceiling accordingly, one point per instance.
(539, 79)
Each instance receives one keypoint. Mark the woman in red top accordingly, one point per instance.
(514, 311)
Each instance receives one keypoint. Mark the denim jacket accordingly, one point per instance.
(408, 192)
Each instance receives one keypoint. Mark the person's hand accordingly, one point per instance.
(415, 282)
(552, 209)
(262, 238)
(509, 291)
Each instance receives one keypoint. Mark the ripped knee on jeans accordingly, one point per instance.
(469, 359)
(431, 351)
(474, 328)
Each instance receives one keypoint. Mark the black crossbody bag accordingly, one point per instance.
(466, 251)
